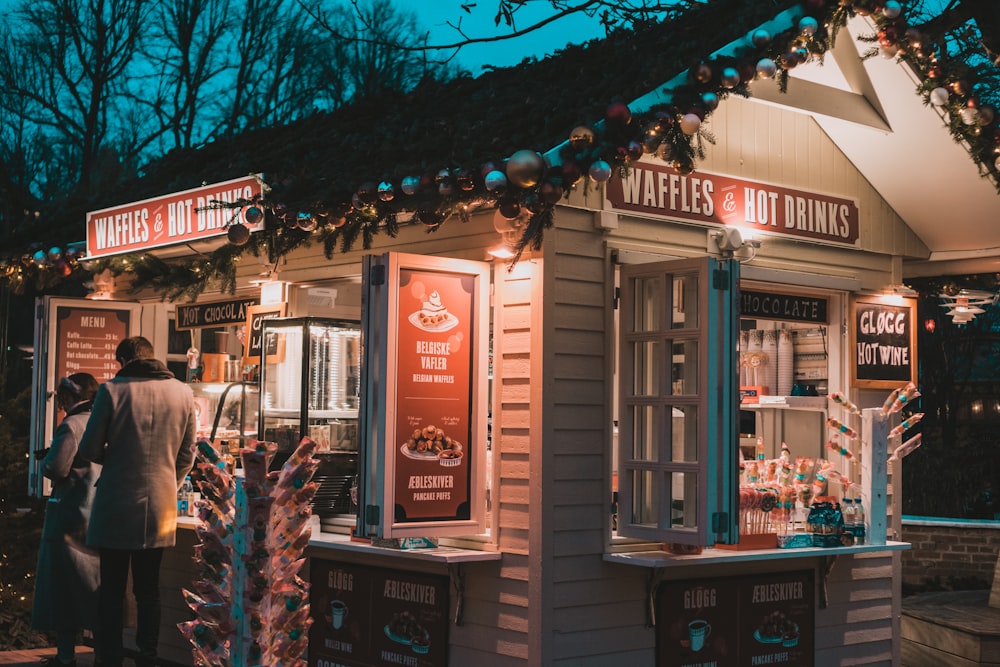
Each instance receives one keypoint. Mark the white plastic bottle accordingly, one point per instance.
(185, 506)
(860, 526)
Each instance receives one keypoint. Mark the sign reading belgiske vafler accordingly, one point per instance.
(702, 197)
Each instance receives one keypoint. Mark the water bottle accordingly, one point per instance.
(184, 497)
(850, 520)
(860, 531)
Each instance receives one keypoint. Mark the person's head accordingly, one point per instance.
(135, 347)
(75, 388)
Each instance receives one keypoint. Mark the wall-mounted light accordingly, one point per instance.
(510, 230)
(727, 241)
(930, 324)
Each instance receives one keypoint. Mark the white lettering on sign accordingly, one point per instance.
(883, 323)
(126, 228)
(408, 591)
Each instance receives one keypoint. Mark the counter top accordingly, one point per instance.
(712, 556)
(340, 542)
(449, 555)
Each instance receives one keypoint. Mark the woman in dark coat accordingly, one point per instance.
(68, 572)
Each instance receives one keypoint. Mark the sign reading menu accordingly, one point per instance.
(434, 395)
(883, 342)
(180, 217)
(86, 340)
(367, 616)
(765, 619)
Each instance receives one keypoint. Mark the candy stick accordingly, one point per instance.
(906, 448)
(889, 400)
(906, 424)
(836, 425)
(906, 394)
(838, 397)
(840, 449)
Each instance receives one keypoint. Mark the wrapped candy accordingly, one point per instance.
(906, 448)
(889, 401)
(786, 453)
(906, 425)
(840, 399)
(835, 446)
(905, 395)
(840, 427)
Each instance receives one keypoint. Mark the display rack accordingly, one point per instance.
(251, 607)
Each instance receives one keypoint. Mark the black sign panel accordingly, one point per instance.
(216, 314)
(367, 616)
(884, 340)
(766, 619)
(791, 307)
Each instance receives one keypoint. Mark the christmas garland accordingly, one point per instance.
(526, 186)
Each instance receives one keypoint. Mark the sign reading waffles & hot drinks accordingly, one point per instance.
(702, 197)
(175, 218)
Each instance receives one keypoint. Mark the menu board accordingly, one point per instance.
(86, 339)
(367, 616)
(765, 619)
(433, 430)
(883, 342)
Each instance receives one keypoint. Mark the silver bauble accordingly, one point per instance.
(524, 168)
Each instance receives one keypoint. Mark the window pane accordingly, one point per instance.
(645, 430)
(645, 499)
(684, 433)
(684, 369)
(646, 368)
(684, 314)
(648, 302)
(683, 500)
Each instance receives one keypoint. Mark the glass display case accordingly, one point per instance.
(226, 411)
(310, 386)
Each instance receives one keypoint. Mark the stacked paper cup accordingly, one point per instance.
(755, 375)
(786, 363)
(769, 347)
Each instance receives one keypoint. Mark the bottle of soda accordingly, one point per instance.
(860, 531)
(850, 520)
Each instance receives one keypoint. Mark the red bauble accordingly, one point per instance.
(571, 173)
(508, 207)
(550, 192)
(618, 114)
(238, 233)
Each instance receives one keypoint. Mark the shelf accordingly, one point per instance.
(810, 403)
(295, 413)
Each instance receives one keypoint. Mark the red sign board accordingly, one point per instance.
(368, 616)
(176, 218)
(86, 340)
(434, 433)
(702, 197)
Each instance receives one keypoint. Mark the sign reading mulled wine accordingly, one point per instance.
(883, 342)
(435, 418)
(175, 218)
(656, 189)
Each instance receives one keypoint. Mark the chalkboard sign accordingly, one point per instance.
(883, 342)
(790, 307)
(255, 332)
(215, 314)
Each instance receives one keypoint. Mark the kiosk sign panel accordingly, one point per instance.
(369, 617)
(181, 217)
(766, 619)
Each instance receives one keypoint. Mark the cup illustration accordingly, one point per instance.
(698, 632)
(338, 612)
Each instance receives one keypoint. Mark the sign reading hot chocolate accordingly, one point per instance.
(702, 197)
(181, 217)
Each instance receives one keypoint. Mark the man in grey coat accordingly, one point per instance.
(142, 430)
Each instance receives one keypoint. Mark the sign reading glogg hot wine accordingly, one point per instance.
(435, 430)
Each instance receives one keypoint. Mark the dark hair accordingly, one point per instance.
(133, 348)
(75, 388)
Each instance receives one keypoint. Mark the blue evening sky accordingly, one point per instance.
(434, 15)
